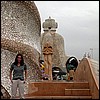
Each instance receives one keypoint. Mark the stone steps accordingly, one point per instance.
(59, 90)
(54, 88)
(58, 97)
(77, 92)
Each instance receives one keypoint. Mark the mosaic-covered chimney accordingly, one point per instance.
(49, 27)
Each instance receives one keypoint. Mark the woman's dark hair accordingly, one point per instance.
(22, 60)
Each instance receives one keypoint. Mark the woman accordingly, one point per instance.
(18, 68)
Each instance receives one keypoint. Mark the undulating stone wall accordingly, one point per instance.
(18, 23)
(20, 33)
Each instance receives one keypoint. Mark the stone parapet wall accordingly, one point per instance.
(86, 72)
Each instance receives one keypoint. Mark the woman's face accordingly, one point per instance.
(19, 58)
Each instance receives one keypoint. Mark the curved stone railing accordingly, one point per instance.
(85, 72)
(27, 51)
